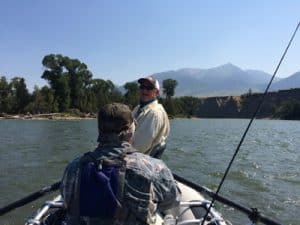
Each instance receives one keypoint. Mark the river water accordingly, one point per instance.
(265, 174)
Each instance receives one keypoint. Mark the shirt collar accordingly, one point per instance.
(143, 104)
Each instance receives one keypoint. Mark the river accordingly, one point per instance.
(265, 174)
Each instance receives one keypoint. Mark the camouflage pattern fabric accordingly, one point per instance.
(148, 186)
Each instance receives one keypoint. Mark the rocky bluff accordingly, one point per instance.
(245, 105)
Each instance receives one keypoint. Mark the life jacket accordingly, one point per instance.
(101, 185)
(105, 195)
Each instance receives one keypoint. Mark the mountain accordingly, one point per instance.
(292, 81)
(223, 80)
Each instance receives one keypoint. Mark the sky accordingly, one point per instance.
(127, 39)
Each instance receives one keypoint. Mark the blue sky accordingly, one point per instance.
(126, 39)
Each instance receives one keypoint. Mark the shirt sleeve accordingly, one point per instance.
(166, 190)
(69, 183)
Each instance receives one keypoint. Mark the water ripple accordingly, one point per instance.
(265, 173)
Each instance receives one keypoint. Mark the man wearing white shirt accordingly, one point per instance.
(153, 127)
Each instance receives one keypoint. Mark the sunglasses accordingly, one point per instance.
(149, 88)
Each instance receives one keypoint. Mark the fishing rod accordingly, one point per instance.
(29, 198)
(247, 129)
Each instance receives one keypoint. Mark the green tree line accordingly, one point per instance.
(72, 88)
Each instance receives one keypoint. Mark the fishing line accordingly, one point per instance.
(246, 131)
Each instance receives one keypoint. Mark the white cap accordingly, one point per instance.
(152, 80)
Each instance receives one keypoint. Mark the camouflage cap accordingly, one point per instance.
(114, 118)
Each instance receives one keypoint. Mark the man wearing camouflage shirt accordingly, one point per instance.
(145, 187)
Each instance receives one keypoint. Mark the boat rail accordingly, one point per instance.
(213, 219)
(37, 219)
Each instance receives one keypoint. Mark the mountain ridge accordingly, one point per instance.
(225, 80)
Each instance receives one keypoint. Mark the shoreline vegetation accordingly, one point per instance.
(49, 116)
(83, 116)
(72, 92)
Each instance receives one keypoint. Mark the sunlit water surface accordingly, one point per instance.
(264, 175)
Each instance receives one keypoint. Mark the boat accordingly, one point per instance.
(192, 210)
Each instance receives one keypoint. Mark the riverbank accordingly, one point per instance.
(49, 116)
(68, 116)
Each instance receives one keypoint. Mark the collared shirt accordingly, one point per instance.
(152, 126)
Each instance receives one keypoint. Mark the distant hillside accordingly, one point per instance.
(292, 81)
(224, 80)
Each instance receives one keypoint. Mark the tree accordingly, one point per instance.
(63, 94)
(79, 78)
(290, 110)
(70, 79)
(132, 94)
(43, 101)
(20, 94)
(169, 86)
(190, 105)
(57, 77)
(102, 91)
(5, 93)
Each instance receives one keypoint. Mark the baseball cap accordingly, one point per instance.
(152, 81)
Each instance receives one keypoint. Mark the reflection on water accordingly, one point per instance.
(264, 175)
